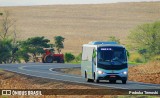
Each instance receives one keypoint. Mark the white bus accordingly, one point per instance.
(104, 61)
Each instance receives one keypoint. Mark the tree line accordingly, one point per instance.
(25, 50)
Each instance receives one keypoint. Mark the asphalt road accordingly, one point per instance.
(45, 71)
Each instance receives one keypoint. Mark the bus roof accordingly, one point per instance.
(103, 44)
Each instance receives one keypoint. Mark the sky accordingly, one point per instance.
(52, 2)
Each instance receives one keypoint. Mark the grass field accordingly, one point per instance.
(80, 24)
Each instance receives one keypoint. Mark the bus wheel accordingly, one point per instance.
(88, 80)
(124, 81)
(112, 81)
(95, 80)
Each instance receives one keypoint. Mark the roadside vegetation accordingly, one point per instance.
(25, 51)
(69, 57)
(145, 40)
(59, 43)
(30, 48)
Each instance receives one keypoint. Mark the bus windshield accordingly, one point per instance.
(111, 54)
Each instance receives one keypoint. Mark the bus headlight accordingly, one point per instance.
(125, 72)
(100, 72)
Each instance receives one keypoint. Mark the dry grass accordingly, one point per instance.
(149, 68)
(80, 24)
(149, 73)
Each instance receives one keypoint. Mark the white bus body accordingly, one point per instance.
(104, 61)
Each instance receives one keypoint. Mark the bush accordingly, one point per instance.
(78, 57)
(157, 57)
(69, 57)
(136, 57)
(146, 38)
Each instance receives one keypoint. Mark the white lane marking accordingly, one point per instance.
(51, 69)
(22, 68)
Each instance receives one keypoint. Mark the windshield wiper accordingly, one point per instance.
(107, 61)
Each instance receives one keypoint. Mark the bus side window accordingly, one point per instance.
(84, 54)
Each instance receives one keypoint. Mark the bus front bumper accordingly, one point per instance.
(112, 77)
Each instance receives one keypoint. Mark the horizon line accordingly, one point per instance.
(30, 5)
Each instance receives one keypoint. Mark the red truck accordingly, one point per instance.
(49, 56)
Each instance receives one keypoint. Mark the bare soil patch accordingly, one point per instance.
(148, 73)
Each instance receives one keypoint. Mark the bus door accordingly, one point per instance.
(94, 55)
(88, 61)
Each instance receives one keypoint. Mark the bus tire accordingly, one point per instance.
(88, 80)
(95, 80)
(124, 81)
